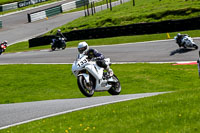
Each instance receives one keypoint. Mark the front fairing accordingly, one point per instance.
(79, 64)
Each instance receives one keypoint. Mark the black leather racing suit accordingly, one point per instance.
(179, 39)
(60, 35)
(93, 53)
(59, 42)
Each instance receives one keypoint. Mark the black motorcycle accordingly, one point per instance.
(58, 42)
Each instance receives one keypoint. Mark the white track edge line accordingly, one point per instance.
(86, 107)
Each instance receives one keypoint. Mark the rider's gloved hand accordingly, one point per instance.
(94, 59)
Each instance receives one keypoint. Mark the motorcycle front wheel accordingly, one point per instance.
(53, 48)
(85, 88)
(64, 46)
(116, 87)
(195, 46)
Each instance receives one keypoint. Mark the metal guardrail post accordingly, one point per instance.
(29, 17)
(1, 24)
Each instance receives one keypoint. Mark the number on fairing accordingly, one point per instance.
(82, 62)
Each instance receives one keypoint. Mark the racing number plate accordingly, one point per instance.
(82, 62)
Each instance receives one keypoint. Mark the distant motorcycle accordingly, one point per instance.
(91, 77)
(3, 48)
(186, 42)
(58, 43)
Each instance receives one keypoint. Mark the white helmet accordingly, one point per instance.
(58, 30)
(83, 47)
(5, 42)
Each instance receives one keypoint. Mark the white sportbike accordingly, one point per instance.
(186, 42)
(91, 77)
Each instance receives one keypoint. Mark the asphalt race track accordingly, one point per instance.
(15, 114)
(155, 51)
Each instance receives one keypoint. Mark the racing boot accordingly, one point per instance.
(110, 71)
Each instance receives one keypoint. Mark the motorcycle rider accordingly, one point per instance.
(4, 43)
(179, 39)
(59, 35)
(93, 54)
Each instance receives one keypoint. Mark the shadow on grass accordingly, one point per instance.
(181, 51)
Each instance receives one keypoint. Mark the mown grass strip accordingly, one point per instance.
(26, 83)
(24, 46)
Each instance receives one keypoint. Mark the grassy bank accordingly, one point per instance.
(144, 11)
(42, 82)
(24, 46)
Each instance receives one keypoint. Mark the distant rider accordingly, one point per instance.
(93, 54)
(4, 43)
(59, 35)
(179, 39)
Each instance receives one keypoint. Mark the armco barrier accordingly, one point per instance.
(53, 11)
(36, 16)
(133, 29)
(68, 6)
(80, 3)
(7, 7)
(76, 4)
(57, 10)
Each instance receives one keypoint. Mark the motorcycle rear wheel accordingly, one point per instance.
(116, 87)
(64, 46)
(87, 90)
(1, 51)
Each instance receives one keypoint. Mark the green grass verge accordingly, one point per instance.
(175, 112)
(144, 11)
(8, 1)
(24, 46)
(26, 83)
